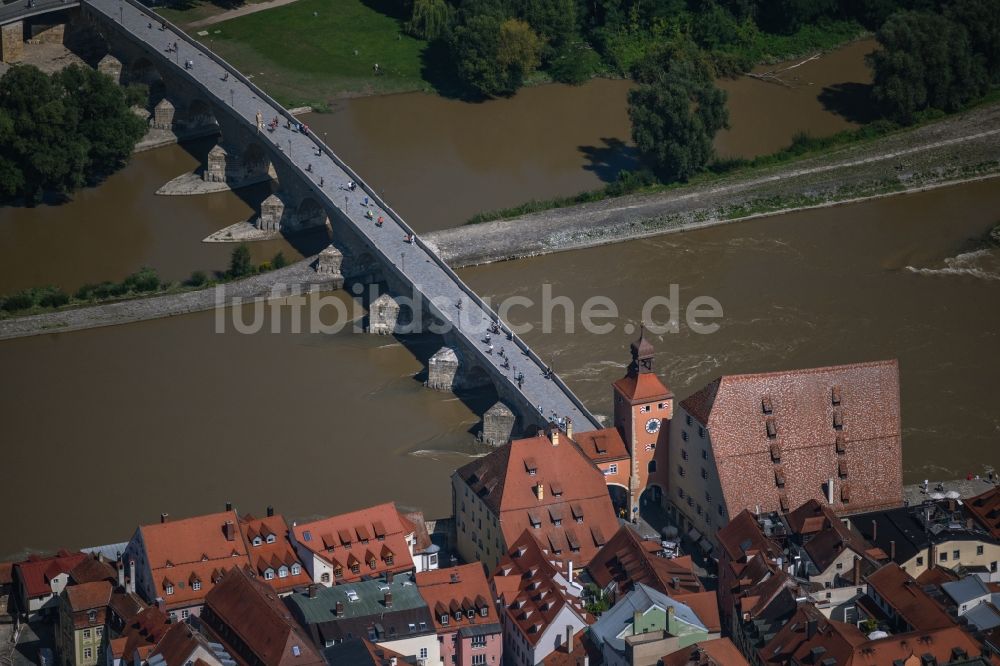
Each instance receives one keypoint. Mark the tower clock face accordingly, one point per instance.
(652, 425)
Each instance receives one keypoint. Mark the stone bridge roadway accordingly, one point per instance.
(421, 268)
(22, 9)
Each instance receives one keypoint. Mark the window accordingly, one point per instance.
(661, 405)
(271, 538)
(269, 574)
(613, 468)
(479, 641)
(699, 509)
(99, 631)
(86, 633)
(956, 554)
(680, 470)
(704, 473)
(283, 572)
(720, 510)
(92, 616)
(684, 435)
(680, 492)
(708, 497)
(688, 419)
(644, 409)
(979, 550)
(169, 589)
(684, 454)
(701, 432)
(840, 566)
(920, 561)
(325, 578)
(185, 614)
(484, 611)
(88, 653)
(296, 569)
(356, 568)
(478, 660)
(196, 585)
(257, 541)
(943, 557)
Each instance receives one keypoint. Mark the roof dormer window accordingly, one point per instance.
(271, 538)
(835, 396)
(169, 589)
(765, 404)
(772, 427)
(257, 541)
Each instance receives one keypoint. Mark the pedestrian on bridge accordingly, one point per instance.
(366, 201)
(380, 221)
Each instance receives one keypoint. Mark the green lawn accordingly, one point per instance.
(183, 12)
(311, 51)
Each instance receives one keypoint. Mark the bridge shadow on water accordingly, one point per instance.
(610, 159)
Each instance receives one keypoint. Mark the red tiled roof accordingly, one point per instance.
(273, 555)
(249, 609)
(88, 596)
(192, 539)
(718, 652)
(6, 573)
(584, 651)
(347, 527)
(36, 573)
(92, 569)
(807, 630)
(908, 599)
(177, 644)
(942, 644)
(446, 587)
(742, 537)
(807, 411)
(503, 482)
(706, 606)
(986, 509)
(144, 631)
(627, 560)
(642, 387)
(530, 594)
(604, 445)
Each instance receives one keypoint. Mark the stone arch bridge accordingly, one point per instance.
(195, 86)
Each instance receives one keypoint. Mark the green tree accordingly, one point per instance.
(106, 122)
(240, 264)
(981, 19)
(41, 147)
(278, 260)
(926, 61)
(492, 56)
(676, 111)
(430, 19)
(554, 21)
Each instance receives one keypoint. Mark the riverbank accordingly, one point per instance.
(273, 284)
(957, 149)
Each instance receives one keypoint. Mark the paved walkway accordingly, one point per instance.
(444, 294)
(239, 11)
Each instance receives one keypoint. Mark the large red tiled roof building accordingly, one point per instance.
(465, 615)
(770, 442)
(544, 484)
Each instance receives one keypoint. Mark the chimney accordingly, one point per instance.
(120, 564)
(569, 571)
(829, 490)
(931, 555)
(131, 576)
(569, 639)
(339, 612)
(388, 577)
(569, 428)
(874, 530)
(388, 599)
(811, 626)
(160, 603)
(670, 616)
(857, 571)
(892, 551)
(163, 517)
(270, 511)
(454, 577)
(554, 434)
(392, 661)
(540, 491)
(229, 530)
(229, 506)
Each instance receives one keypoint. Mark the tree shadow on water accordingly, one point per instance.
(851, 101)
(610, 159)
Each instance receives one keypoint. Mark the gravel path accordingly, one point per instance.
(239, 11)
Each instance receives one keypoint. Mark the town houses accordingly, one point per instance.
(759, 520)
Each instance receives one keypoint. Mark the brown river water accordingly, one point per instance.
(546, 141)
(169, 416)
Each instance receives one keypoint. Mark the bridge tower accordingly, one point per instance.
(643, 407)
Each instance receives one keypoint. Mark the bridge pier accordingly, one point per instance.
(111, 66)
(383, 314)
(163, 115)
(447, 371)
(329, 262)
(498, 425)
(12, 41)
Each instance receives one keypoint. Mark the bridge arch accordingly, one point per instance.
(619, 498)
(142, 70)
(200, 114)
(255, 162)
(310, 214)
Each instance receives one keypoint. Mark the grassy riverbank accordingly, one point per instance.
(310, 52)
(803, 147)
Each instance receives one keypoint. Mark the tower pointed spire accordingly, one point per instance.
(642, 354)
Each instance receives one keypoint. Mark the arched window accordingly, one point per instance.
(652, 466)
(325, 578)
